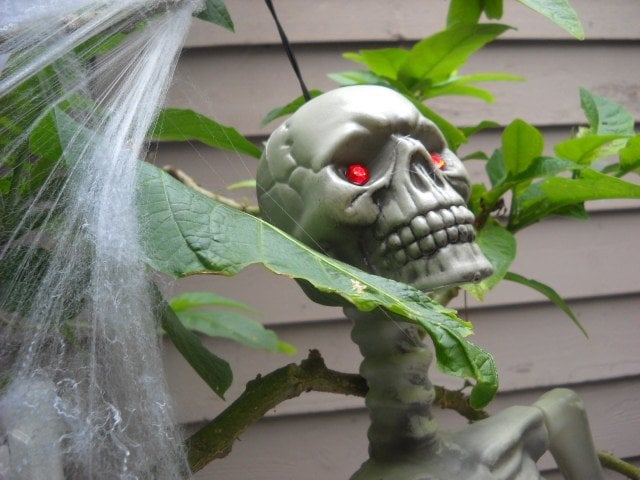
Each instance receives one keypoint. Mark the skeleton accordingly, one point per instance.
(361, 175)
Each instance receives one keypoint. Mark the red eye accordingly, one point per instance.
(357, 174)
(438, 161)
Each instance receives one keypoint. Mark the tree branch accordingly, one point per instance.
(191, 183)
(611, 462)
(215, 440)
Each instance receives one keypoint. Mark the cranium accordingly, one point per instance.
(360, 174)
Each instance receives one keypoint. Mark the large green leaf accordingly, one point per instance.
(186, 233)
(176, 124)
(559, 12)
(605, 116)
(499, 246)
(440, 55)
(548, 292)
(216, 12)
(521, 144)
(553, 194)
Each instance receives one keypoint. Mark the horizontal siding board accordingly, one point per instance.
(542, 349)
(323, 446)
(238, 86)
(385, 20)
(578, 259)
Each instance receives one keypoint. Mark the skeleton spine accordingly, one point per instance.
(395, 365)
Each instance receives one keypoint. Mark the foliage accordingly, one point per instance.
(187, 233)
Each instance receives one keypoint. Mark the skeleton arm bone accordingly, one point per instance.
(570, 440)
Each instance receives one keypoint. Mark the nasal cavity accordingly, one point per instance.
(424, 173)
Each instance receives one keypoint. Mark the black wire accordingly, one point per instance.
(287, 48)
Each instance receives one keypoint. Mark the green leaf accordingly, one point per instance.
(186, 233)
(542, 199)
(212, 369)
(44, 140)
(605, 116)
(586, 150)
(289, 108)
(357, 77)
(233, 326)
(186, 301)
(460, 90)
(521, 144)
(499, 246)
(175, 124)
(100, 44)
(437, 57)
(485, 77)
(477, 155)
(548, 292)
(630, 155)
(493, 9)
(464, 11)
(452, 134)
(559, 12)
(216, 12)
(483, 125)
(385, 62)
(496, 168)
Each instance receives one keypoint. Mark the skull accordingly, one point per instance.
(361, 175)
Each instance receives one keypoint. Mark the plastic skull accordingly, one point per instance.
(361, 175)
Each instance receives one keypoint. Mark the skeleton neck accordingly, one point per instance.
(400, 394)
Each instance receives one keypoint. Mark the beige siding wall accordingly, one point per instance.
(237, 78)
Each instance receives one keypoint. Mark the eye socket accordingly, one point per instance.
(357, 174)
(438, 161)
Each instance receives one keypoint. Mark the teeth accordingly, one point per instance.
(420, 227)
(400, 257)
(452, 234)
(441, 238)
(435, 221)
(428, 244)
(407, 236)
(447, 218)
(394, 241)
(465, 233)
(414, 251)
(426, 234)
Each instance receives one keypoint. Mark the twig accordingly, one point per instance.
(191, 183)
(611, 462)
(215, 440)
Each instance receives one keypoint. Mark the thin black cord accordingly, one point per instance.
(287, 48)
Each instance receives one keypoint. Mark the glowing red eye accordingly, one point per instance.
(438, 161)
(357, 174)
